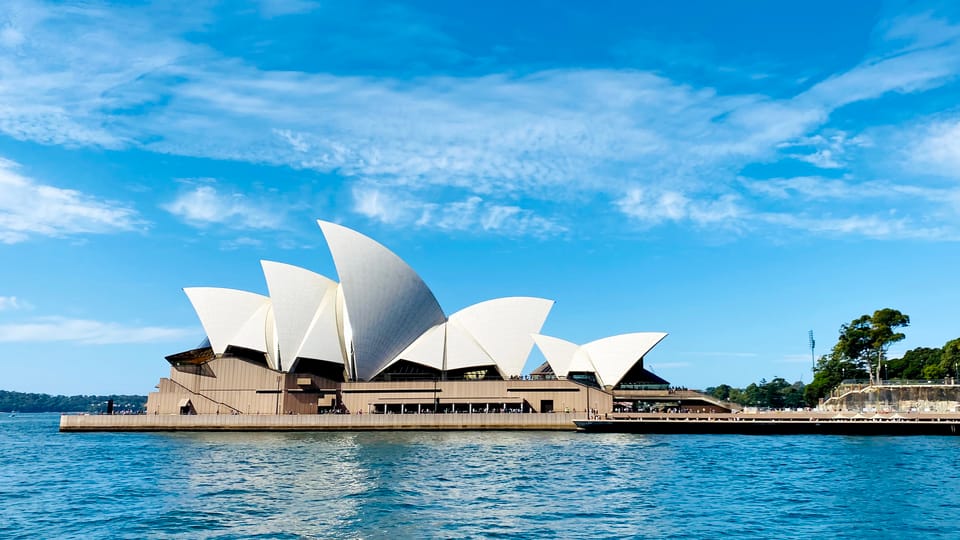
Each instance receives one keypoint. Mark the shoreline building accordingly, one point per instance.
(378, 342)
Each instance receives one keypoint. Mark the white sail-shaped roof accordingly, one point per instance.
(609, 358)
(428, 349)
(324, 339)
(502, 327)
(463, 351)
(388, 304)
(614, 356)
(272, 340)
(303, 301)
(346, 333)
(231, 317)
(559, 353)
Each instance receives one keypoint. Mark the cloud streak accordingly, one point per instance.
(87, 332)
(204, 206)
(29, 209)
(471, 214)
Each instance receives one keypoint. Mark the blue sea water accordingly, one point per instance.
(472, 485)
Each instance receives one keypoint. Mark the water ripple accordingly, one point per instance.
(471, 485)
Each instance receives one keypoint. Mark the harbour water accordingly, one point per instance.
(471, 485)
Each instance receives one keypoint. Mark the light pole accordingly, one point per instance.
(813, 343)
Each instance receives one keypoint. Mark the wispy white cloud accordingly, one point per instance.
(29, 209)
(917, 31)
(825, 151)
(10, 37)
(480, 150)
(809, 188)
(9, 303)
(876, 227)
(470, 214)
(938, 222)
(88, 332)
(204, 206)
(935, 147)
(77, 65)
(652, 208)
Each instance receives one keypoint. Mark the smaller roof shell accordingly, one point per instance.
(427, 350)
(232, 317)
(304, 305)
(502, 328)
(558, 352)
(610, 358)
(614, 356)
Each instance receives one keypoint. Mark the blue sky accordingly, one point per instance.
(735, 174)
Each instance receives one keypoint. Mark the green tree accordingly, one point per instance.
(773, 393)
(752, 394)
(777, 393)
(866, 339)
(914, 363)
(720, 392)
(950, 357)
(26, 402)
(793, 397)
(831, 370)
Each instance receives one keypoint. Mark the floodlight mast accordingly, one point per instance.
(813, 344)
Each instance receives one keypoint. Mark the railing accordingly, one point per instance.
(858, 385)
(899, 382)
(629, 386)
(948, 381)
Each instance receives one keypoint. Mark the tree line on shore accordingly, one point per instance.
(30, 403)
(859, 354)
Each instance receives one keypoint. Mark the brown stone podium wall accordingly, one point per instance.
(226, 386)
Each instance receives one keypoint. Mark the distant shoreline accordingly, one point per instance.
(28, 402)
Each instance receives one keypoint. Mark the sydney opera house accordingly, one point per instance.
(377, 342)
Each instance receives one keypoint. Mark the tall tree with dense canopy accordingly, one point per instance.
(858, 353)
(867, 338)
(949, 365)
(914, 364)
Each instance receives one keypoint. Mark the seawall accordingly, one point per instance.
(320, 422)
(779, 423)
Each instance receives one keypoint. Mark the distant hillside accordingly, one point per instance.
(27, 403)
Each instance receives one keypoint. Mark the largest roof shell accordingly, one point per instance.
(389, 306)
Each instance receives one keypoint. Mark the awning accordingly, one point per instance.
(185, 402)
